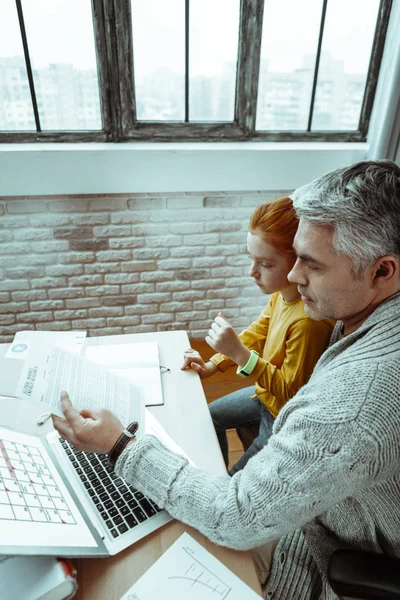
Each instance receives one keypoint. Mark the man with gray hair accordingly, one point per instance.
(329, 477)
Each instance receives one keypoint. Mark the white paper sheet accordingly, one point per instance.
(188, 571)
(138, 362)
(49, 371)
(72, 341)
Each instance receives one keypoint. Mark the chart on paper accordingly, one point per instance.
(187, 570)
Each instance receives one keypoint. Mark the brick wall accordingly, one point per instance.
(126, 264)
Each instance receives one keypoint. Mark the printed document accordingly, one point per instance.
(68, 340)
(139, 362)
(47, 371)
(187, 570)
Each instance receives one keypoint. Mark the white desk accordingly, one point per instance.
(186, 417)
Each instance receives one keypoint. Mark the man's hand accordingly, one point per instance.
(223, 338)
(90, 430)
(193, 360)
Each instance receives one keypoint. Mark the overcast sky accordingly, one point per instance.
(61, 31)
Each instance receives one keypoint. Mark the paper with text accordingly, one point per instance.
(187, 570)
(72, 341)
(139, 362)
(49, 371)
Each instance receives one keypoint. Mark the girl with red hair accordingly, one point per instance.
(279, 350)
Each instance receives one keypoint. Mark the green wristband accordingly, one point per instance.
(249, 366)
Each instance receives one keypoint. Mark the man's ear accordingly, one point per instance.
(386, 268)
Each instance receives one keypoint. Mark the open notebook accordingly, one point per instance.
(139, 362)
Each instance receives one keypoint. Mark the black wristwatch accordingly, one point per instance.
(121, 443)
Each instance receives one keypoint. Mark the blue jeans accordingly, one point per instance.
(240, 410)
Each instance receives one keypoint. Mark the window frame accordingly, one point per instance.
(114, 48)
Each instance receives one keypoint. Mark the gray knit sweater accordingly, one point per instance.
(329, 477)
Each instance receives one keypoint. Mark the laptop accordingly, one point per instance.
(55, 500)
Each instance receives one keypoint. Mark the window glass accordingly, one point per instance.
(16, 113)
(61, 46)
(345, 55)
(159, 59)
(288, 50)
(213, 48)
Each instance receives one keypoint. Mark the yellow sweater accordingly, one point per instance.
(289, 344)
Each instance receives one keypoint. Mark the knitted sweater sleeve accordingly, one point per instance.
(302, 472)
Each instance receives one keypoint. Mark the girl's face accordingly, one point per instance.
(269, 267)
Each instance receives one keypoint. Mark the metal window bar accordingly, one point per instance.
(28, 64)
(316, 68)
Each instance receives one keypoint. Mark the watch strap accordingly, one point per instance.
(122, 442)
(249, 366)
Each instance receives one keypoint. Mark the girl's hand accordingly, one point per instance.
(193, 360)
(90, 430)
(224, 339)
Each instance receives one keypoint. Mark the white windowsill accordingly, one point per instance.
(99, 168)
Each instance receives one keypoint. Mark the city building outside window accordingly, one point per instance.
(157, 70)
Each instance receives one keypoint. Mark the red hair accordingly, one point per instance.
(276, 223)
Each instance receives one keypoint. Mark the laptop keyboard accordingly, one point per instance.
(121, 506)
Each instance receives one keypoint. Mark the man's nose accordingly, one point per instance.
(296, 275)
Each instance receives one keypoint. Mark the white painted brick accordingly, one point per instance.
(223, 226)
(7, 319)
(220, 201)
(122, 218)
(29, 296)
(185, 202)
(50, 246)
(147, 203)
(61, 293)
(15, 248)
(139, 329)
(204, 325)
(239, 260)
(186, 228)
(228, 250)
(106, 311)
(174, 263)
(68, 315)
(56, 326)
(86, 280)
(172, 286)
(138, 288)
(165, 241)
(123, 321)
(67, 270)
(112, 231)
(102, 268)
(48, 220)
(224, 293)
(6, 236)
(14, 307)
(191, 315)
(107, 204)
(156, 297)
(185, 296)
(100, 290)
(91, 219)
(148, 229)
(35, 317)
(185, 252)
(209, 261)
(77, 258)
(32, 234)
(205, 239)
(47, 305)
(175, 306)
(106, 331)
(77, 303)
(142, 309)
(233, 238)
(207, 304)
(15, 221)
(113, 255)
(48, 282)
(121, 278)
(150, 253)
(88, 323)
(157, 318)
(208, 284)
(126, 243)
(224, 272)
(158, 276)
(14, 285)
